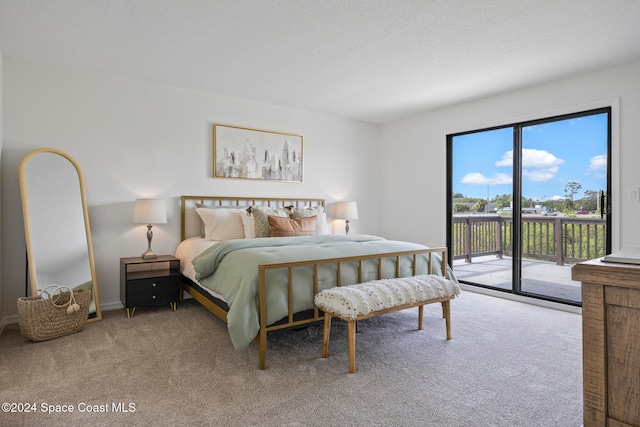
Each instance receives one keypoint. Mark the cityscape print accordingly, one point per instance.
(256, 154)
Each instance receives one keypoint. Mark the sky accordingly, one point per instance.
(553, 154)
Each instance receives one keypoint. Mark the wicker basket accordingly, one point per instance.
(43, 319)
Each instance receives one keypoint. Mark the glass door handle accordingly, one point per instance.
(601, 201)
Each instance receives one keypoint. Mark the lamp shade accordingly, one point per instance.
(149, 211)
(346, 210)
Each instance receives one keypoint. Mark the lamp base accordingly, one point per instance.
(149, 255)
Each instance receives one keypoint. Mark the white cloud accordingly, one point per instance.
(476, 178)
(598, 163)
(540, 175)
(538, 165)
(507, 159)
(531, 158)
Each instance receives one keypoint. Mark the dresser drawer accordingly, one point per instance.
(155, 290)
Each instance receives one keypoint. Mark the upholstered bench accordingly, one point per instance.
(369, 299)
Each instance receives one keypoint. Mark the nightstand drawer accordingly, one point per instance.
(155, 290)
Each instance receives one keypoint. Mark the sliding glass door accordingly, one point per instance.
(565, 168)
(529, 200)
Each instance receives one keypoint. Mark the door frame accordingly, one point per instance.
(614, 198)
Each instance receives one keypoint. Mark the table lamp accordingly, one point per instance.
(149, 212)
(346, 211)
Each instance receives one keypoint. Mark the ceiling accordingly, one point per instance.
(370, 60)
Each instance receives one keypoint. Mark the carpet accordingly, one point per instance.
(508, 364)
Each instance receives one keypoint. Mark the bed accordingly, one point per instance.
(256, 263)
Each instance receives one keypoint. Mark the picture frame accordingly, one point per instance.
(245, 153)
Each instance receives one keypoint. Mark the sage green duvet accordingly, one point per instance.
(230, 268)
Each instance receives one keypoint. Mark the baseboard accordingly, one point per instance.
(521, 298)
(7, 320)
(111, 306)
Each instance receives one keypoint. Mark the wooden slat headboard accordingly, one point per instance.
(190, 221)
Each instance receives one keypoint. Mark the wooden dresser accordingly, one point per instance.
(610, 342)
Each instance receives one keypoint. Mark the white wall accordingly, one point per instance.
(413, 150)
(139, 139)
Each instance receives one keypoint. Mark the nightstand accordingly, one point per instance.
(145, 282)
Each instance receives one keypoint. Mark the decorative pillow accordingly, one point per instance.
(260, 216)
(285, 227)
(318, 211)
(203, 206)
(247, 223)
(222, 224)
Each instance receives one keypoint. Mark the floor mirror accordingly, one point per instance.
(56, 224)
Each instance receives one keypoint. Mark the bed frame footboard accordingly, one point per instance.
(317, 315)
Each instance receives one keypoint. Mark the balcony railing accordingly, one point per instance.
(559, 239)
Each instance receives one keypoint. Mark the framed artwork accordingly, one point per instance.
(244, 153)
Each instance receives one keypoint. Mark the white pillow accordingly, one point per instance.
(206, 206)
(222, 224)
(318, 211)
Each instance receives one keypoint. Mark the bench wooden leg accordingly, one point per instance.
(351, 332)
(326, 334)
(420, 313)
(446, 307)
(444, 314)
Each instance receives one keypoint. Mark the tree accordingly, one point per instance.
(570, 190)
(503, 201)
(460, 207)
(527, 202)
(553, 205)
(479, 206)
(590, 200)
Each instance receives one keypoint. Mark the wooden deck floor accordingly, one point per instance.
(538, 277)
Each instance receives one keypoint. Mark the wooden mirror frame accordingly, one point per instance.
(31, 260)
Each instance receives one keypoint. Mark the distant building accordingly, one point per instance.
(536, 210)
